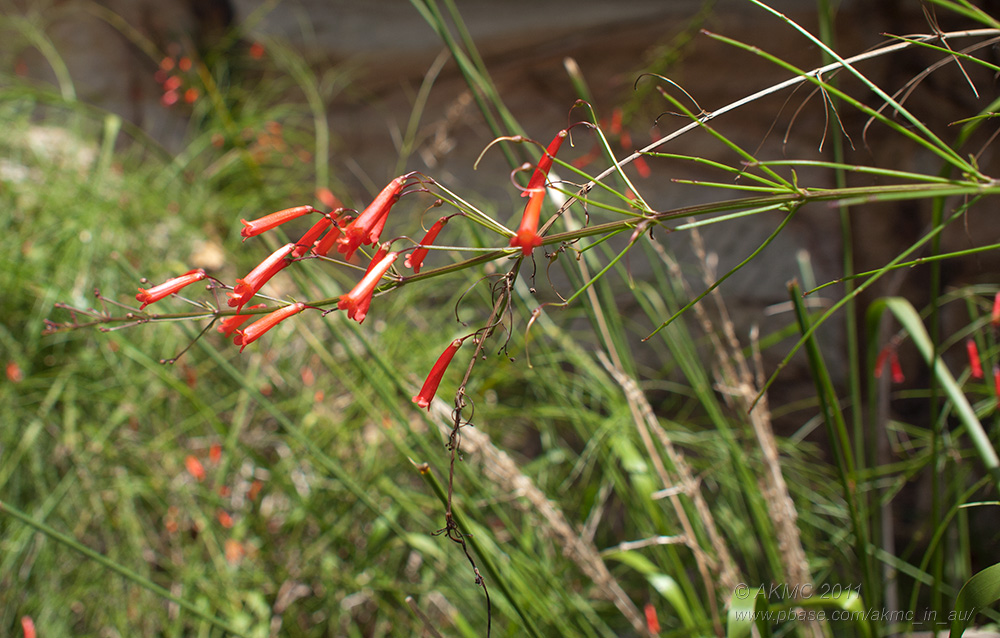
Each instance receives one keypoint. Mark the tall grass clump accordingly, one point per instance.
(601, 453)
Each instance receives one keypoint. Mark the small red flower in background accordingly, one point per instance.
(889, 353)
(254, 331)
(28, 626)
(652, 622)
(170, 520)
(247, 287)
(255, 487)
(172, 83)
(329, 200)
(234, 551)
(14, 373)
(169, 98)
(191, 95)
(357, 301)
(256, 50)
(169, 287)
(225, 519)
(184, 64)
(194, 467)
(642, 166)
(416, 259)
(429, 389)
(995, 315)
(267, 222)
(996, 383)
(975, 366)
(215, 453)
(230, 324)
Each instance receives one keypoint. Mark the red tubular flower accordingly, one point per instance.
(329, 200)
(995, 316)
(897, 370)
(303, 245)
(975, 366)
(383, 250)
(247, 287)
(366, 227)
(169, 287)
(267, 222)
(254, 331)
(527, 233)
(889, 352)
(194, 467)
(324, 245)
(429, 389)
(616, 121)
(642, 166)
(416, 259)
(537, 181)
(883, 354)
(996, 383)
(652, 622)
(230, 324)
(357, 301)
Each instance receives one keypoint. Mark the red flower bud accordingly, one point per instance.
(247, 287)
(416, 259)
(537, 181)
(303, 245)
(169, 287)
(254, 331)
(267, 222)
(367, 227)
(230, 324)
(652, 622)
(383, 250)
(324, 245)
(194, 467)
(975, 366)
(429, 389)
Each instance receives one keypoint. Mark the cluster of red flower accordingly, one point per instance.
(172, 77)
(347, 233)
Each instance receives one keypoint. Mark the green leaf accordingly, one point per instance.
(979, 591)
(746, 607)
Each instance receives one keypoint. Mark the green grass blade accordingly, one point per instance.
(980, 591)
